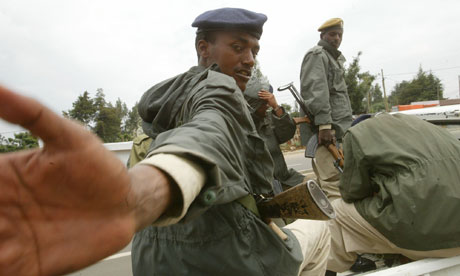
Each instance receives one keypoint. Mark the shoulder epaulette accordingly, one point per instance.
(316, 50)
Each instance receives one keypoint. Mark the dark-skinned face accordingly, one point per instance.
(234, 52)
(334, 37)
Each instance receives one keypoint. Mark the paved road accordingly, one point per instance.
(120, 264)
(297, 160)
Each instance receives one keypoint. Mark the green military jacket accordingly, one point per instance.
(201, 115)
(274, 131)
(402, 174)
(141, 146)
(324, 91)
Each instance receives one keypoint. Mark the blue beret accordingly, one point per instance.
(361, 118)
(231, 19)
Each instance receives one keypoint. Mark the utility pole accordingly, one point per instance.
(385, 92)
(437, 93)
(459, 86)
(368, 101)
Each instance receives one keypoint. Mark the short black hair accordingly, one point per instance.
(209, 36)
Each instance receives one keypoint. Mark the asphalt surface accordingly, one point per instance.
(120, 264)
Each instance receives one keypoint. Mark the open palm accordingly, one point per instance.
(64, 206)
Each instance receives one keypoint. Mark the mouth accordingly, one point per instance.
(243, 74)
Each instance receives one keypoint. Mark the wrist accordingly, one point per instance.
(276, 108)
(150, 196)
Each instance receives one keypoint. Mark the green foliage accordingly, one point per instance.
(112, 123)
(423, 87)
(287, 107)
(365, 96)
(23, 140)
(108, 124)
(83, 109)
(377, 107)
(99, 100)
(132, 124)
(376, 94)
(351, 79)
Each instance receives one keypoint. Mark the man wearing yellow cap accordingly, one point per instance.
(324, 92)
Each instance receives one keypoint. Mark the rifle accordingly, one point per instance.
(305, 201)
(332, 148)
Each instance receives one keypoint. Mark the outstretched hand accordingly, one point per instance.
(64, 206)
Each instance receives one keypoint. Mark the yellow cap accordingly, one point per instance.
(333, 22)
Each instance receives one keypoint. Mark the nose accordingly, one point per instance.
(249, 59)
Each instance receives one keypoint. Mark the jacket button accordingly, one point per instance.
(208, 197)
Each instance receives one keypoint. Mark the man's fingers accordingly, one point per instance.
(30, 114)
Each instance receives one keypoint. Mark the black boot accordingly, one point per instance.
(330, 273)
(363, 264)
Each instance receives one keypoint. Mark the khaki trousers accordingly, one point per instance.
(351, 234)
(327, 174)
(314, 239)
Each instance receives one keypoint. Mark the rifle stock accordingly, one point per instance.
(304, 201)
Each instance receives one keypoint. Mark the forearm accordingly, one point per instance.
(151, 194)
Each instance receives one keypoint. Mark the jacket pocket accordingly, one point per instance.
(339, 81)
(339, 106)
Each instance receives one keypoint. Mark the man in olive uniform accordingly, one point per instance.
(201, 118)
(73, 203)
(400, 192)
(274, 127)
(324, 92)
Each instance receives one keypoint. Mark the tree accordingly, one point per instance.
(287, 107)
(99, 100)
(363, 94)
(83, 109)
(365, 87)
(376, 94)
(108, 124)
(423, 87)
(132, 124)
(352, 80)
(23, 140)
(108, 121)
(377, 104)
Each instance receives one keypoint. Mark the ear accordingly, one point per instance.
(202, 48)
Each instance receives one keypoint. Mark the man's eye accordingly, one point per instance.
(237, 47)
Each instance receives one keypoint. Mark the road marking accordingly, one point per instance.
(299, 164)
(119, 255)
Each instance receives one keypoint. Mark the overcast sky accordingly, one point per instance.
(54, 50)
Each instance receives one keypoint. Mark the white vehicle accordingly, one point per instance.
(447, 116)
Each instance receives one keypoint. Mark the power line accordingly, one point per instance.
(439, 69)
